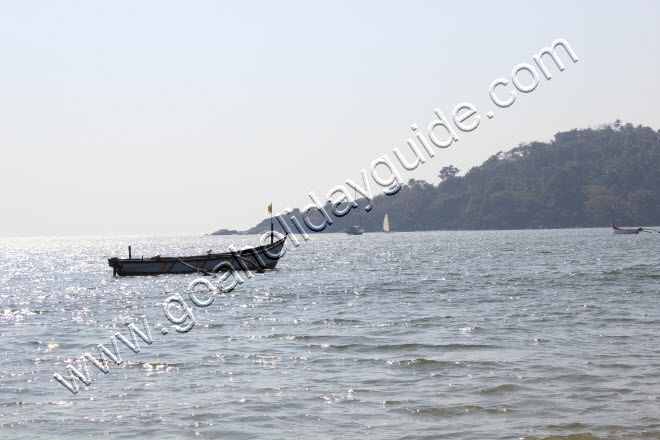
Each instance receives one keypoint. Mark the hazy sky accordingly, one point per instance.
(185, 117)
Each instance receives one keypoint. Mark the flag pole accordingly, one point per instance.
(271, 222)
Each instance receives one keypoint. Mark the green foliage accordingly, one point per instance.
(448, 172)
(569, 182)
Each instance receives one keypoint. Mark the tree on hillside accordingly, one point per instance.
(448, 172)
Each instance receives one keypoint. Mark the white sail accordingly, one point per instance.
(386, 224)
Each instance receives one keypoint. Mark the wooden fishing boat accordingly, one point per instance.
(617, 230)
(254, 259)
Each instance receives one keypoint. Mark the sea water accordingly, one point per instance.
(457, 335)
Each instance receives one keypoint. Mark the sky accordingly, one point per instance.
(163, 117)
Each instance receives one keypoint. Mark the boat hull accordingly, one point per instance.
(253, 259)
(616, 230)
(354, 230)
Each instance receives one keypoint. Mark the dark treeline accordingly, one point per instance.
(569, 182)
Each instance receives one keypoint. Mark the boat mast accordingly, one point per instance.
(270, 210)
(359, 211)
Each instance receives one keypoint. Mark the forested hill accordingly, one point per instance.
(571, 181)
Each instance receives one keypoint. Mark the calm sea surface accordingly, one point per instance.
(457, 335)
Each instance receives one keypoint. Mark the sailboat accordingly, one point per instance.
(386, 224)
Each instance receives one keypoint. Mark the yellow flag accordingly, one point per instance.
(270, 208)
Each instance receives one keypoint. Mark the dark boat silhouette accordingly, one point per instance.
(258, 259)
(618, 230)
(354, 230)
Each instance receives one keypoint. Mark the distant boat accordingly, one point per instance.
(354, 230)
(257, 259)
(386, 224)
(617, 230)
